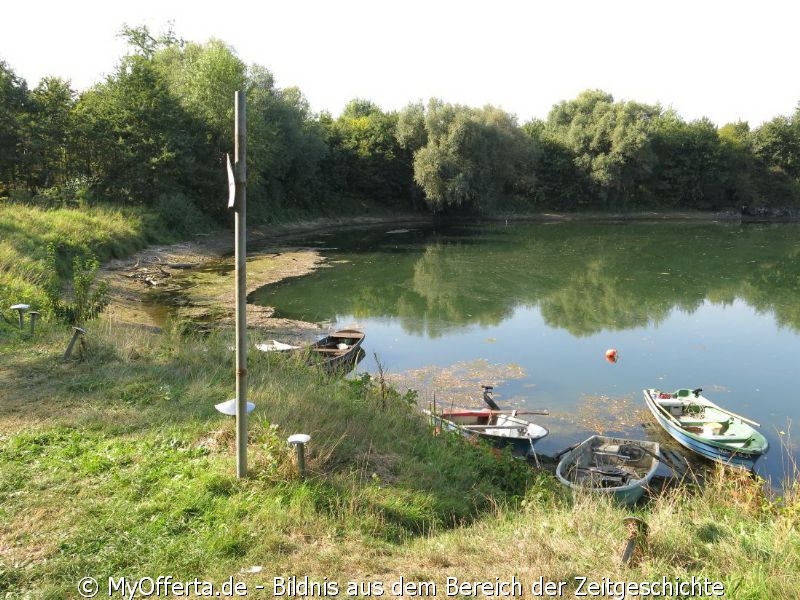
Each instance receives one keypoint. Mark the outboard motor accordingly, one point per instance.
(487, 397)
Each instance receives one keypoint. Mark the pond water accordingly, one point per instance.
(533, 307)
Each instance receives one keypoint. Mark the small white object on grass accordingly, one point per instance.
(229, 407)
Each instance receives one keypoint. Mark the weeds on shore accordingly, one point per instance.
(118, 463)
(26, 233)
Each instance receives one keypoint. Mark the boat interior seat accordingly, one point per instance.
(505, 427)
(671, 403)
(689, 421)
(711, 429)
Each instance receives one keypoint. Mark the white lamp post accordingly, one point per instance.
(21, 308)
(299, 441)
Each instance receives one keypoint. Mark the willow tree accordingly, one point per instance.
(610, 142)
(466, 157)
(204, 78)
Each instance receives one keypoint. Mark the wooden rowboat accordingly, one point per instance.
(615, 466)
(698, 424)
(501, 428)
(337, 352)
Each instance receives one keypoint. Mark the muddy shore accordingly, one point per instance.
(194, 280)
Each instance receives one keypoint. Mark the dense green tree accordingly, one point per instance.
(13, 105)
(135, 141)
(47, 134)
(285, 146)
(610, 141)
(560, 185)
(411, 132)
(776, 158)
(688, 170)
(204, 78)
(736, 158)
(471, 158)
(370, 157)
(777, 145)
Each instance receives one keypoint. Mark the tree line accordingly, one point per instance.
(155, 132)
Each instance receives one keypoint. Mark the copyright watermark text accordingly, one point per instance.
(162, 586)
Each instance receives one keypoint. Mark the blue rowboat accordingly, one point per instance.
(707, 429)
(606, 465)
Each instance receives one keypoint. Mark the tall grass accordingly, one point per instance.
(26, 232)
(117, 462)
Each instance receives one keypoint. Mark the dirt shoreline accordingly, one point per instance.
(193, 280)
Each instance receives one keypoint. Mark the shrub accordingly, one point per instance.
(89, 297)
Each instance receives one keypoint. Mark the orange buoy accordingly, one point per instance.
(611, 355)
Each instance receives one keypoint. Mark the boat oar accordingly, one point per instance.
(489, 413)
(740, 417)
(655, 455)
(665, 460)
(567, 449)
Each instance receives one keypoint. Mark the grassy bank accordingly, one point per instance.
(115, 464)
(27, 231)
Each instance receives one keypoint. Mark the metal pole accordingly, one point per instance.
(240, 168)
(34, 314)
(299, 441)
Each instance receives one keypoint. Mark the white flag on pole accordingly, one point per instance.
(231, 183)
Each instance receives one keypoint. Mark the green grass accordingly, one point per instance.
(26, 232)
(115, 463)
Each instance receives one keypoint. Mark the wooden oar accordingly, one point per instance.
(565, 450)
(740, 417)
(491, 426)
(478, 412)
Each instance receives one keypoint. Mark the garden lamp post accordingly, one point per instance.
(20, 308)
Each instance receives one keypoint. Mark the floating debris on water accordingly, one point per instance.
(603, 414)
(458, 384)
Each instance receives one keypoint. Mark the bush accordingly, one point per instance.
(180, 215)
(89, 298)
